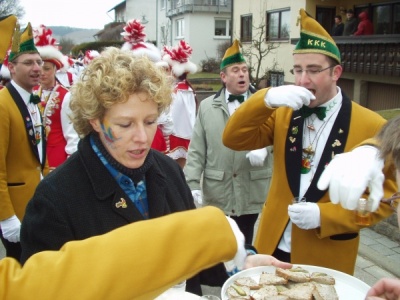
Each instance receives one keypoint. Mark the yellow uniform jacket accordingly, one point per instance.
(20, 165)
(136, 261)
(335, 243)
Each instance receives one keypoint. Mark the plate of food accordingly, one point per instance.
(172, 294)
(300, 282)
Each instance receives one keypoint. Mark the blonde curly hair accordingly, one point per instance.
(111, 78)
(389, 138)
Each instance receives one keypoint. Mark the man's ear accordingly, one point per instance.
(337, 72)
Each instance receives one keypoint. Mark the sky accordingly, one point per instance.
(90, 14)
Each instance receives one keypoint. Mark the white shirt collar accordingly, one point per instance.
(23, 93)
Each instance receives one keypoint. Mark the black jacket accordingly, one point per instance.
(79, 199)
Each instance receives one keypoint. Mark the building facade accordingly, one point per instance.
(371, 63)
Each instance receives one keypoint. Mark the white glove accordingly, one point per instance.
(305, 215)
(288, 95)
(198, 199)
(257, 157)
(11, 228)
(241, 254)
(350, 173)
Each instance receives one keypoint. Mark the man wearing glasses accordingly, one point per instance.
(308, 124)
(22, 146)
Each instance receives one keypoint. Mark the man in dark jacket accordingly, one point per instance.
(337, 29)
(351, 24)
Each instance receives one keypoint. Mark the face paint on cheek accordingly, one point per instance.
(108, 133)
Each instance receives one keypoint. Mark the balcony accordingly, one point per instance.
(198, 6)
(369, 54)
(372, 55)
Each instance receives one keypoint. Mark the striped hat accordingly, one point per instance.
(22, 42)
(7, 27)
(233, 55)
(47, 46)
(315, 39)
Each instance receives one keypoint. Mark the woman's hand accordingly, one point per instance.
(258, 260)
(385, 288)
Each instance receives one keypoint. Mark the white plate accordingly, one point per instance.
(172, 294)
(347, 287)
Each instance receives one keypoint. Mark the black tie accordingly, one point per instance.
(319, 111)
(35, 99)
(239, 98)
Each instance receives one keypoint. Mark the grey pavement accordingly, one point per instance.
(378, 257)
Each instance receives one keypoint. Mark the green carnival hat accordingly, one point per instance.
(7, 27)
(22, 42)
(232, 56)
(315, 39)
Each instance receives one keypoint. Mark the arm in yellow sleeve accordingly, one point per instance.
(137, 261)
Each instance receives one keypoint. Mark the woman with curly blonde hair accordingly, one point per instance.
(114, 178)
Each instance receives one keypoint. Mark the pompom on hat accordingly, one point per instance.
(233, 55)
(47, 46)
(22, 43)
(7, 27)
(315, 39)
(89, 56)
(134, 37)
(178, 59)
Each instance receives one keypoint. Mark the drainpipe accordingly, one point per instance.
(232, 21)
(157, 23)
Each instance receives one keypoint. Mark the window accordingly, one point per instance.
(386, 18)
(278, 25)
(216, 2)
(162, 4)
(180, 28)
(222, 28)
(246, 26)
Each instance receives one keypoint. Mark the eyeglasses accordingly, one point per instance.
(393, 201)
(310, 72)
(30, 63)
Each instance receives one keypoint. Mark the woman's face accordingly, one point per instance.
(128, 129)
(48, 75)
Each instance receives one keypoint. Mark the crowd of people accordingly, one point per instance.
(117, 162)
(360, 25)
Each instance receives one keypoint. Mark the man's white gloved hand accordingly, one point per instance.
(198, 199)
(305, 215)
(241, 254)
(350, 173)
(11, 228)
(288, 95)
(257, 157)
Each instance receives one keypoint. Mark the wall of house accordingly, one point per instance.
(199, 33)
(258, 8)
(137, 9)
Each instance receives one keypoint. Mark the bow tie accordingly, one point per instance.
(35, 99)
(319, 111)
(239, 98)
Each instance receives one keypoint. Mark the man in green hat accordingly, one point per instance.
(235, 181)
(22, 153)
(308, 123)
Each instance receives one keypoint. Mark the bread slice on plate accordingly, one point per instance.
(266, 292)
(247, 281)
(238, 292)
(322, 278)
(297, 274)
(300, 292)
(271, 279)
(325, 292)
